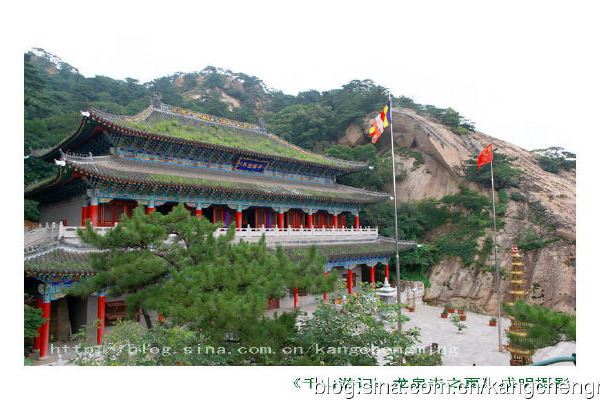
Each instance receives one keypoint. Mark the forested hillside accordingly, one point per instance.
(445, 198)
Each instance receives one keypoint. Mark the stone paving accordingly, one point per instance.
(477, 345)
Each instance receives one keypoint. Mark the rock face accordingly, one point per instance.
(439, 170)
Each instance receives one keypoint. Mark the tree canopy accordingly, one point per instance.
(554, 159)
(175, 265)
(544, 327)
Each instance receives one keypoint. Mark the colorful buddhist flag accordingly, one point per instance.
(380, 123)
(485, 157)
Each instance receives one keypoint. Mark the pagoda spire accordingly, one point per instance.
(518, 355)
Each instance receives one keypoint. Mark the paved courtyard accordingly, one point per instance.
(478, 345)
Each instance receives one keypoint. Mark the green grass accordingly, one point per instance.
(222, 136)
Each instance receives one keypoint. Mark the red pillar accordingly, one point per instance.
(238, 219)
(150, 210)
(325, 294)
(85, 214)
(280, 222)
(94, 214)
(309, 220)
(335, 221)
(45, 330)
(101, 314)
(36, 341)
(349, 283)
(372, 275)
(356, 222)
(387, 271)
(295, 297)
(198, 213)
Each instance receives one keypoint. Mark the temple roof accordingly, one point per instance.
(382, 247)
(59, 260)
(150, 176)
(62, 259)
(176, 125)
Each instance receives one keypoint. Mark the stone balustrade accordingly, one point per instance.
(273, 236)
(302, 236)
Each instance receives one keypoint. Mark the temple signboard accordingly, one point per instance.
(250, 165)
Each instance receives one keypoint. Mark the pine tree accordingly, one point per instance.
(544, 327)
(175, 265)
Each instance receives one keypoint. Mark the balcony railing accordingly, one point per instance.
(300, 236)
(51, 233)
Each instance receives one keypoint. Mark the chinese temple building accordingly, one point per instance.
(230, 172)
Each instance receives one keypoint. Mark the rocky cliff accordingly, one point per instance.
(434, 158)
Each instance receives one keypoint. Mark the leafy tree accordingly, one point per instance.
(505, 175)
(544, 327)
(173, 264)
(417, 262)
(303, 124)
(554, 159)
(372, 179)
(33, 320)
(31, 210)
(347, 334)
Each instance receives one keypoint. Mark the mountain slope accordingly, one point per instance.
(435, 158)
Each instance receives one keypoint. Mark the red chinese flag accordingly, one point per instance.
(485, 157)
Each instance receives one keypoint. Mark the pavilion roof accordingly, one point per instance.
(150, 176)
(382, 247)
(176, 125)
(58, 261)
(61, 259)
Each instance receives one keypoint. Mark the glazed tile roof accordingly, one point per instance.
(59, 260)
(122, 170)
(382, 247)
(198, 129)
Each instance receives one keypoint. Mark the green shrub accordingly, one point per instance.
(517, 196)
(532, 241)
(505, 175)
(553, 159)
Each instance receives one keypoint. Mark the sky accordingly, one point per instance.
(517, 69)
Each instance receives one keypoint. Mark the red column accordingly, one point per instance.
(295, 297)
(309, 220)
(85, 214)
(387, 271)
(94, 214)
(45, 330)
(101, 314)
(356, 222)
(198, 213)
(349, 283)
(335, 221)
(325, 294)
(238, 219)
(280, 222)
(36, 341)
(150, 210)
(372, 275)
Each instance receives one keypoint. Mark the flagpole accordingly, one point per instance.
(499, 305)
(398, 290)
